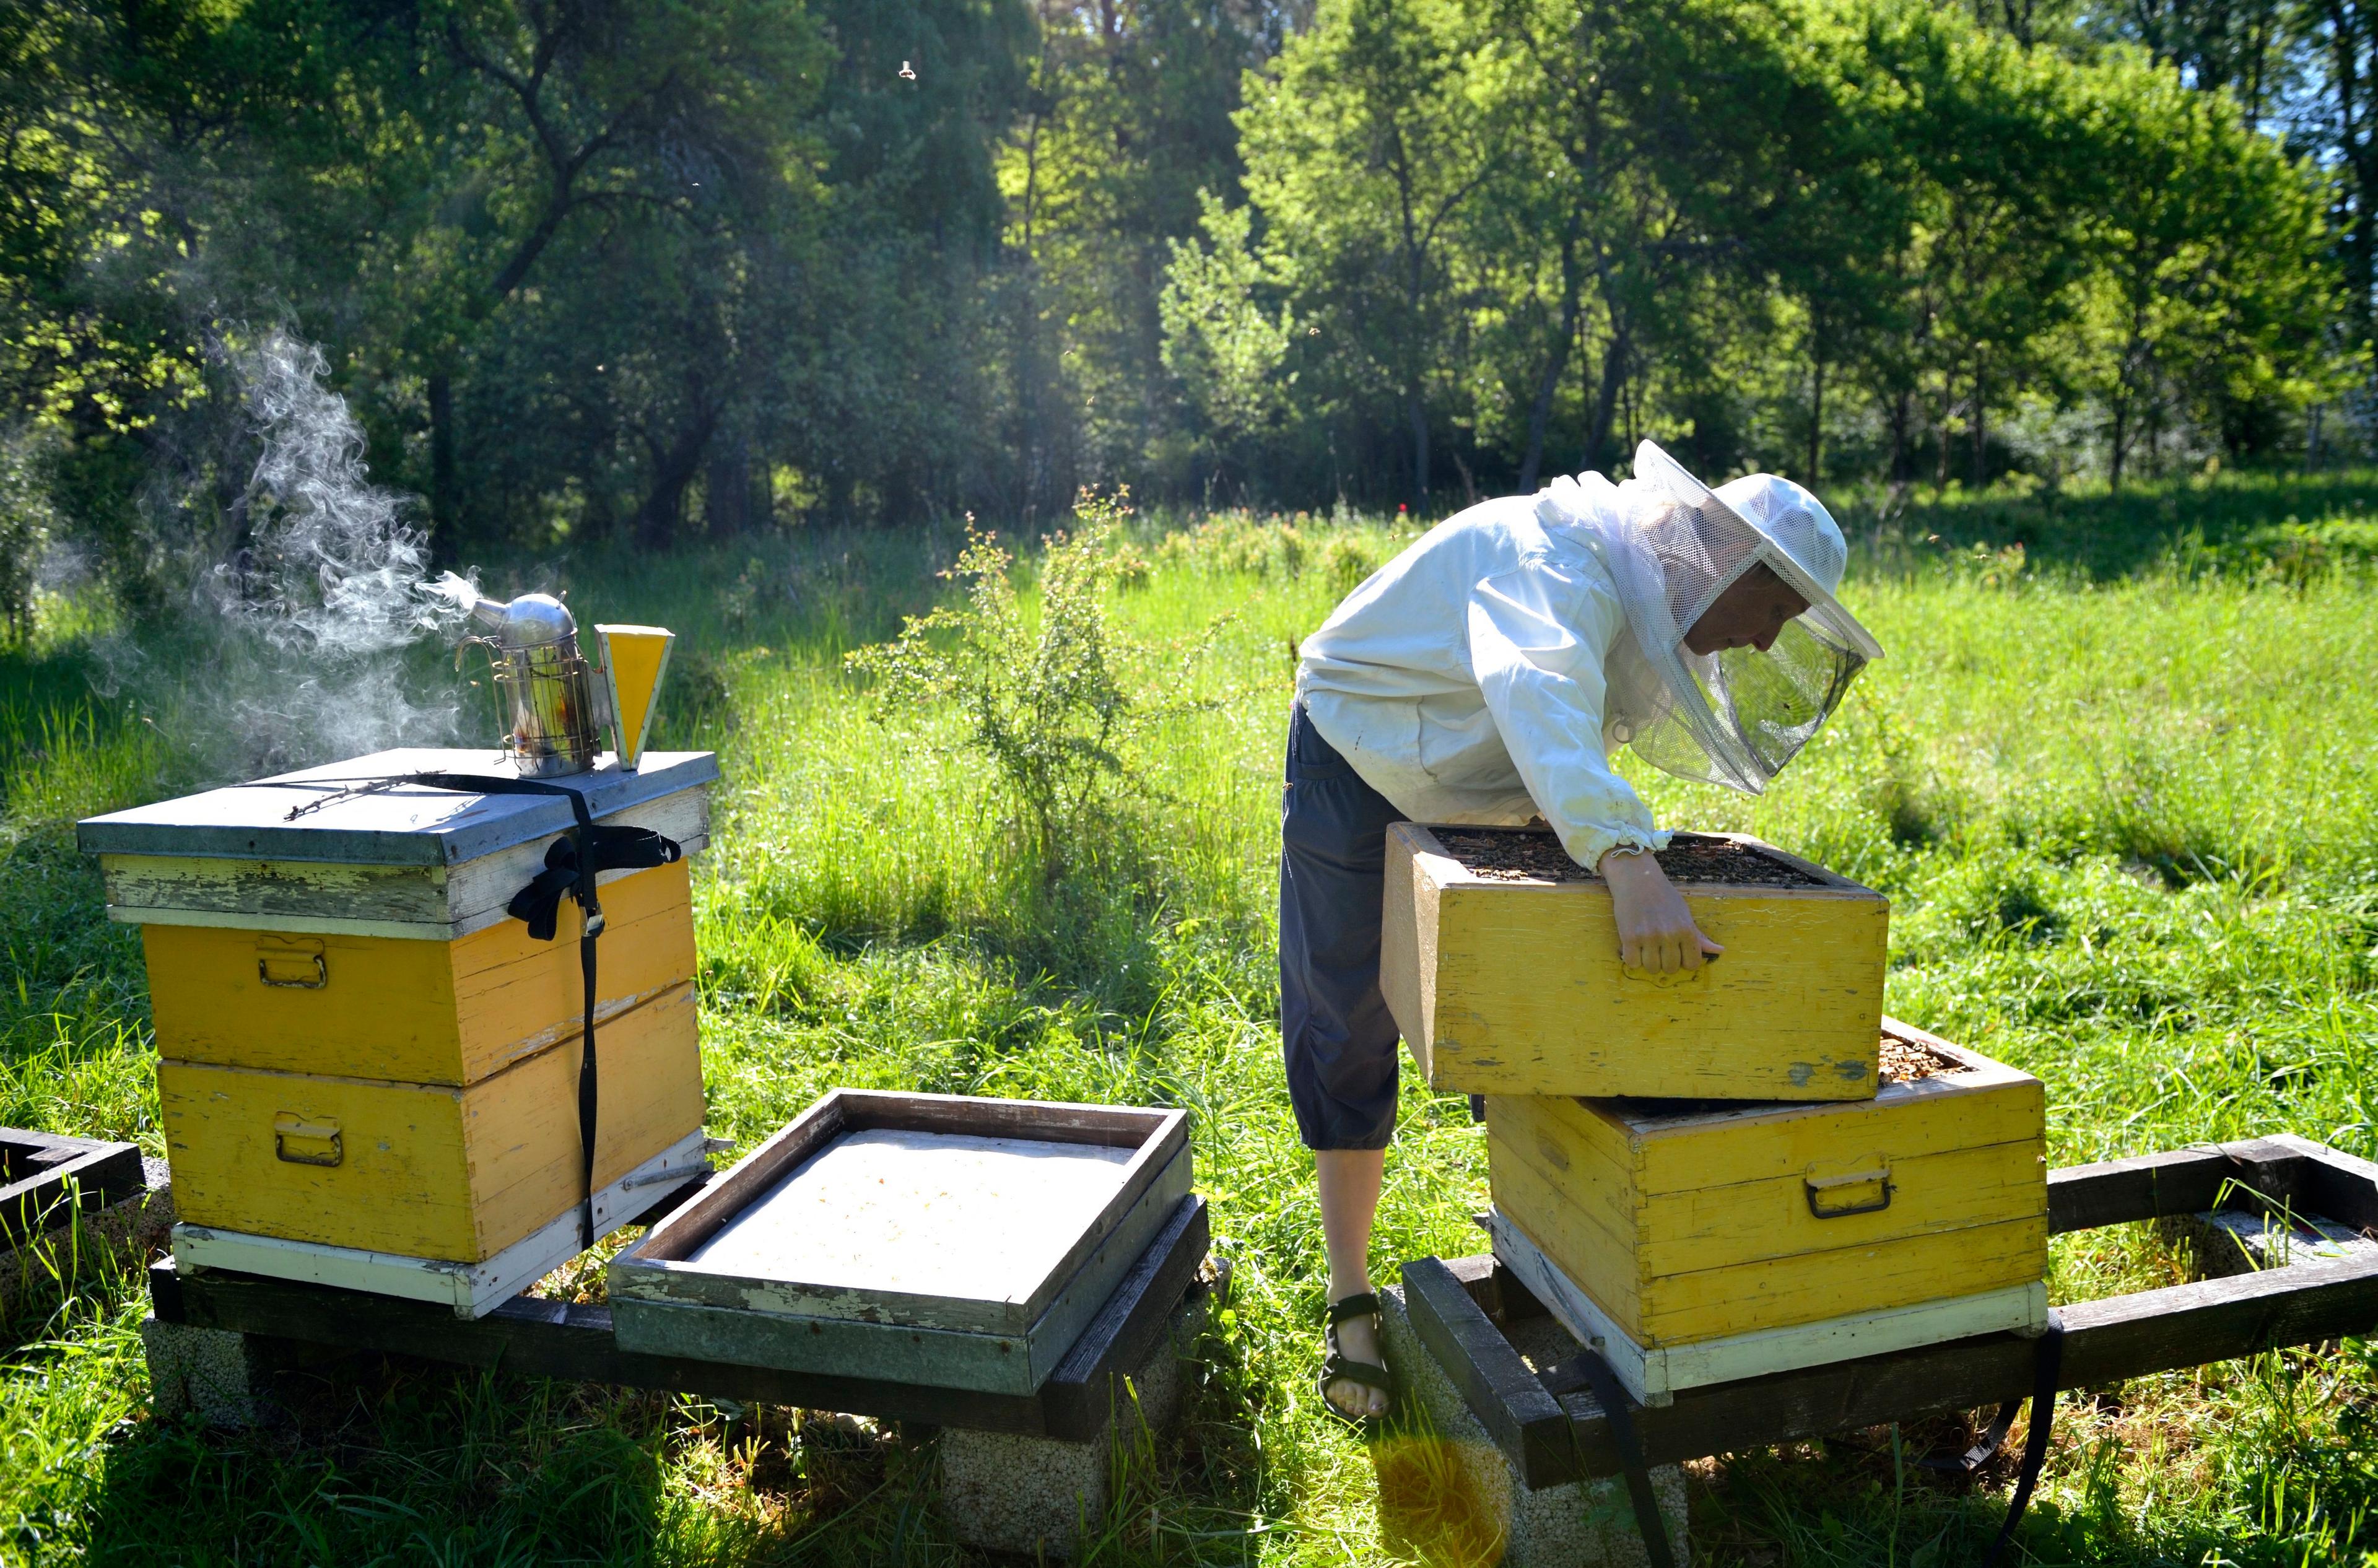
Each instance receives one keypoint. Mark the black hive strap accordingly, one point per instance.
(1984, 1448)
(571, 866)
(1618, 1409)
(2046, 1369)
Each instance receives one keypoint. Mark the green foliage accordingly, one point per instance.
(1816, 236)
(1044, 693)
(1227, 353)
(604, 270)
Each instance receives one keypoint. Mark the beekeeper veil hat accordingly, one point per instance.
(1736, 717)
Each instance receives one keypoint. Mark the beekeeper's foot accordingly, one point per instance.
(1354, 1381)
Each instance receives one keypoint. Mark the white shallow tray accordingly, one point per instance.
(927, 1239)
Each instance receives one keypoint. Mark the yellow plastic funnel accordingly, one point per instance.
(635, 660)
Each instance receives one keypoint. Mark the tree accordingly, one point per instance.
(2208, 284)
(1365, 151)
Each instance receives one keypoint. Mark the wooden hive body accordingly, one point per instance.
(419, 1011)
(368, 1070)
(1512, 986)
(1702, 1243)
(930, 1239)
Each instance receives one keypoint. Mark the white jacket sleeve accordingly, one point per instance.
(1536, 640)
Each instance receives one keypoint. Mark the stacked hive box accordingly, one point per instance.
(1740, 1172)
(368, 1069)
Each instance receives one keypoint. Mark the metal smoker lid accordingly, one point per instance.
(409, 825)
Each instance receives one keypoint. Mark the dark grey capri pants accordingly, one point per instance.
(1335, 1034)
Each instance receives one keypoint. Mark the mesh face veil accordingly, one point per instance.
(1734, 717)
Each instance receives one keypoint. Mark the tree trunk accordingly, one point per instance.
(656, 520)
(1940, 430)
(1556, 366)
(1416, 404)
(726, 488)
(1816, 418)
(2347, 23)
(1606, 403)
(2120, 445)
(1981, 429)
(441, 468)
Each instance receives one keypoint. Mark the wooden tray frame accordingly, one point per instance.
(662, 1306)
(1550, 1434)
(70, 1176)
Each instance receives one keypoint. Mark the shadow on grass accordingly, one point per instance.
(376, 1459)
(2293, 522)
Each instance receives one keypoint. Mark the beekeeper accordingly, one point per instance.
(1486, 676)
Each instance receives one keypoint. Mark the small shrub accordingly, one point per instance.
(1043, 696)
(1238, 542)
(1346, 561)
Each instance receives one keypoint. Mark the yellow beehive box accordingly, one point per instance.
(427, 1170)
(368, 1069)
(412, 1010)
(1499, 959)
(1703, 1242)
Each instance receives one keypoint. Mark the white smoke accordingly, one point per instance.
(318, 604)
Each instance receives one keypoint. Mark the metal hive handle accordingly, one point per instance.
(1818, 1186)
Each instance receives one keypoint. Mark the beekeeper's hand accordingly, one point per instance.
(1656, 933)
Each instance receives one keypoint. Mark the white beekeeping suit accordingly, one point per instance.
(1487, 674)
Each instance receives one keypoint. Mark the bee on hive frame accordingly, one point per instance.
(1486, 676)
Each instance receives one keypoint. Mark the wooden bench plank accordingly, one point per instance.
(2120, 1338)
(1080, 1395)
(2335, 1185)
(100, 1173)
(1497, 1384)
(573, 1342)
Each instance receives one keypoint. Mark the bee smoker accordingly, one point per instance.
(545, 687)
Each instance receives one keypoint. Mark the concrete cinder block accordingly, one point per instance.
(1043, 1496)
(1448, 1497)
(220, 1375)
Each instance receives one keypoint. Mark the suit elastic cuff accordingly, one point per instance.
(1587, 845)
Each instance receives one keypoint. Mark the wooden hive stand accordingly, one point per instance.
(1021, 1472)
(1511, 1406)
(947, 1239)
(45, 1179)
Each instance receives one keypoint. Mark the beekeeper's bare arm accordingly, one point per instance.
(1536, 642)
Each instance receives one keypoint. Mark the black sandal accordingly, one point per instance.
(1338, 1367)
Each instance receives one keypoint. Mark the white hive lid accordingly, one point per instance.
(406, 825)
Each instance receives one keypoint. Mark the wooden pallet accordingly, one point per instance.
(557, 1340)
(45, 1179)
(1458, 1309)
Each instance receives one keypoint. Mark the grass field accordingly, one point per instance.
(2118, 775)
